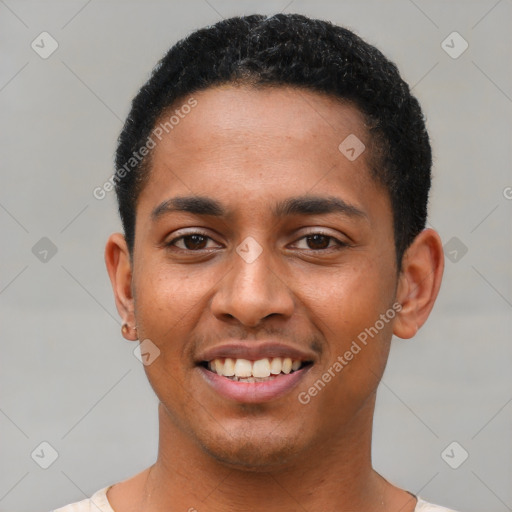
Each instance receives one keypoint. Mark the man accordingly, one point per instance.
(272, 179)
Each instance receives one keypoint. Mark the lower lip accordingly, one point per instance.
(253, 392)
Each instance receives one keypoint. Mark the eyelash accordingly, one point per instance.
(172, 243)
(338, 244)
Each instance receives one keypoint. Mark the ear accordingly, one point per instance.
(419, 282)
(119, 267)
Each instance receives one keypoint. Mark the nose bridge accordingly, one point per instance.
(251, 276)
(252, 291)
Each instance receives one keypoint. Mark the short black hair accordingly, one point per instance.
(290, 50)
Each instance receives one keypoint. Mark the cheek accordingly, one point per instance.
(345, 300)
(169, 297)
(168, 302)
(346, 306)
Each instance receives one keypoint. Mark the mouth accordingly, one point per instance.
(253, 374)
(260, 370)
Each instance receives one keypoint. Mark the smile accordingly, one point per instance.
(253, 381)
(261, 370)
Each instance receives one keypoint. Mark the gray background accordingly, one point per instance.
(67, 377)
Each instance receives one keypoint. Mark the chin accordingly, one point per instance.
(253, 451)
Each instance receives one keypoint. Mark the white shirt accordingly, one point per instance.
(98, 502)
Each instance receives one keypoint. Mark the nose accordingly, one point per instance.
(252, 292)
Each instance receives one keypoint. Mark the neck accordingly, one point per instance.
(336, 475)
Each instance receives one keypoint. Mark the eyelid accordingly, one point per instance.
(182, 233)
(322, 231)
(338, 240)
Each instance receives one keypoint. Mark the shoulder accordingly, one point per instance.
(98, 502)
(423, 506)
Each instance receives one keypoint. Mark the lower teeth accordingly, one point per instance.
(253, 379)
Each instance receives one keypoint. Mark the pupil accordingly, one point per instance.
(195, 242)
(318, 241)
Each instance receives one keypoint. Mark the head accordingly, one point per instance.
(277, 209)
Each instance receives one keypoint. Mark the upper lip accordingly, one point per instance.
(253, 351)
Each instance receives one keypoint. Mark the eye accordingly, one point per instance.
(318, 242)
(193, 242)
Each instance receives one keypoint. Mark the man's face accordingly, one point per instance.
(257, 238)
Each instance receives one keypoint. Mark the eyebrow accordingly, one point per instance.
(302, 205)
(190, 204)
(318, 205)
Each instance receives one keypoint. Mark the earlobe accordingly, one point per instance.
(419, 282)
(119, 267)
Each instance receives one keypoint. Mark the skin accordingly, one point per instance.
(250, 150)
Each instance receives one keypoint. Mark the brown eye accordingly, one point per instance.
(195, 242)
(318, 241)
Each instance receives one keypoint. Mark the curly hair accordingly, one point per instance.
(290, 50)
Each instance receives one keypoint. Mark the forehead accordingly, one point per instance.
(241, 142)
(237, 115)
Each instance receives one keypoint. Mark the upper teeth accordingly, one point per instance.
(229, 367)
